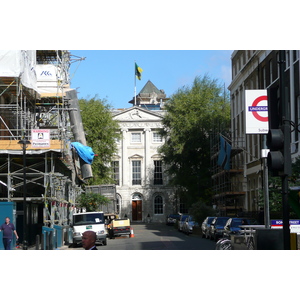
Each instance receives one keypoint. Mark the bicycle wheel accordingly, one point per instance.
(224, 244)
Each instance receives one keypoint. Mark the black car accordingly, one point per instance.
(216, 228)
(172, 218)
(205, 226)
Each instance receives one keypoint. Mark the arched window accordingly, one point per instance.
(158, 205)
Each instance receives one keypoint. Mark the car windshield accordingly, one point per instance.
(236, 223)
(174, 216)
(210, 220)
(84, 219)
(221, 221)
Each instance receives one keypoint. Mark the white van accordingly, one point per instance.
(89, 221)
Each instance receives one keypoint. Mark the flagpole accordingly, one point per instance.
(134, 85)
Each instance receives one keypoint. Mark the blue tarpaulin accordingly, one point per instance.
(85, 152)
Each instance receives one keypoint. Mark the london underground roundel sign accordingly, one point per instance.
(256, 110)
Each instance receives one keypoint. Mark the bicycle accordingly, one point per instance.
(247, 234)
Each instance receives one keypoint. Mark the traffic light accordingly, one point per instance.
(275, 142)
(279, 135)
(279, 157)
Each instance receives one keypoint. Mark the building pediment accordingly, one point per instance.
(137, 114)
(135, 156)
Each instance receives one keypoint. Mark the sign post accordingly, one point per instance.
(257, 122)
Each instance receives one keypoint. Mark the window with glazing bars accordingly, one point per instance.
(157, 138)
(136, 172)
(136, 137)
(116, 172)
(158, 172)
(158, 205)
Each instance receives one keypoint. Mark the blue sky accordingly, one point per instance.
(109, 74)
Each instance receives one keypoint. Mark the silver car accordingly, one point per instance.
(188, 225)
(205, 226)
(181, 221)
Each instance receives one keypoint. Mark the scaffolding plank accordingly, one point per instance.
(13, 145)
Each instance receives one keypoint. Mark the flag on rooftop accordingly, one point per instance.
(138, 72)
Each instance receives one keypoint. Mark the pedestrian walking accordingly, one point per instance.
(8, 230)
(88, 240)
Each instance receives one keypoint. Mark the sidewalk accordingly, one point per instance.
(33, 247)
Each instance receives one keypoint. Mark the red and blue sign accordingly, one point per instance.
(279, 223)
(256, 103)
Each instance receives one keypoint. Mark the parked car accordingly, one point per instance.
(181, 221)
(232, 225)
(205, 226)
(188, 225)
(216, 228)
(172, 218)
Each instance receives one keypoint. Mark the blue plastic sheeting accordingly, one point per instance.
(85, 152)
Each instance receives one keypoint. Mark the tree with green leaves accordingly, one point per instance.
(275, 191)
(101, 133)
(91, 201)
(193, 112)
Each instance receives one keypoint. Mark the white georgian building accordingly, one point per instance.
(142, 187)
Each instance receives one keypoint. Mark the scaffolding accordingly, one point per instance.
(34, 104)
(228, 185)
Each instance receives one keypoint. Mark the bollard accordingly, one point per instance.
(50, 240)
(293, 238)
(47, 240)
(37, 242)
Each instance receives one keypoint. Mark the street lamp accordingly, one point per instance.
(24, 142)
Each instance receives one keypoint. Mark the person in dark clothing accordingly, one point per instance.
(88, 240)
(261, 216)
(8, 230)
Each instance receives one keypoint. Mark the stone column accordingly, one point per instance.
(147, 159)
(124, 165)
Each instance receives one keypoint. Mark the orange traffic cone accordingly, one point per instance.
(131, 233)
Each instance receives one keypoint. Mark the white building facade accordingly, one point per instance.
(143, 193)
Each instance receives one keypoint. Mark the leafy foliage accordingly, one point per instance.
(275, 188)
(200, 211)
(101, 132)
(91, 201)
(192, 113)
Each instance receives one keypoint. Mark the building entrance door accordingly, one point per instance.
(136, 210)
